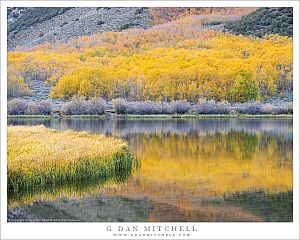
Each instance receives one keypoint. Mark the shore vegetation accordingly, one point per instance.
(39, 157)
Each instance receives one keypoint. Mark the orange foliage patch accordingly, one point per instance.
(163, 15)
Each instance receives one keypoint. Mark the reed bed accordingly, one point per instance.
(39, 157)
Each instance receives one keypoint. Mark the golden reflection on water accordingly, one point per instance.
(187, 174)
(53, 193)
(217, 164)
(191, 171)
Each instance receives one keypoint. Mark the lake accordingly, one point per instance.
(196, 170)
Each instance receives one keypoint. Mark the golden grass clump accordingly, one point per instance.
(39, 157)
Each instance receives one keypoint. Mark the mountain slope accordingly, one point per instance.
(14, 13)
(265, 21)
(41, 25)
(30, 16)
(29, 27)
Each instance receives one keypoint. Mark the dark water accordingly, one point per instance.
(190, 170)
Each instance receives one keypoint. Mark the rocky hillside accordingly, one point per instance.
(14, 13)
(23, 18)
(29, 27)
(36, 26)
(264, 21)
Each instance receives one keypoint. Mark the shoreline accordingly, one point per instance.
(162, 116)
(94, 157)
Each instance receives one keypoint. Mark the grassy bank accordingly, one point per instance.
(56, 116)
(84, 116)
(31, 116)
(157, 116)
(40, 157)
(168, 116)
(284, 116)
(185, 116)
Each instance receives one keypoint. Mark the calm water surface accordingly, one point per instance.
(189, 170)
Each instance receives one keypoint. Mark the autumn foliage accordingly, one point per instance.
(181, 60)
(167, 14)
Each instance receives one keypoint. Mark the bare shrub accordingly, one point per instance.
(249, 108)
(119, 105)
(45, 107)
(80, 106)
(74, 107)
(141, 108)
(17, 107)
(264, 108)
(167, 108)
(285, 108)
(32, 108)
(123, 106)
(268, 109)
(180, 106)
(211, 107)
(23, 107)
(95, 106)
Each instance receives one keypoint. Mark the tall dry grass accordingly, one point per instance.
(39, 157)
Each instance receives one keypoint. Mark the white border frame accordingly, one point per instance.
(98, 230)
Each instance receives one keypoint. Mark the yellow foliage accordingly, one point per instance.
(177, 60)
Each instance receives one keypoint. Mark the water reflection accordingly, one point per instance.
(196, 169)
(123, 127)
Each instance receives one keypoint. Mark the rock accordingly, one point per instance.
(14, 13)
(64, 27)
